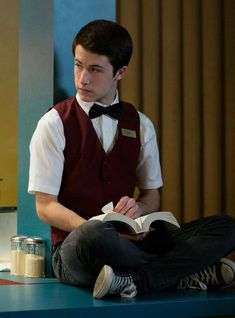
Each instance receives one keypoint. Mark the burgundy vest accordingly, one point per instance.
(92, 178)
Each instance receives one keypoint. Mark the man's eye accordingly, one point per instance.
(78, 65)
(95, 70)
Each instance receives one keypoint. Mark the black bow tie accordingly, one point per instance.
(113, 111)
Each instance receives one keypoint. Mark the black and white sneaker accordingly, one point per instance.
(220, 275)
(110, 283)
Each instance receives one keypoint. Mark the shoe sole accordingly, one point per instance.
(231, 265)
(103, 282)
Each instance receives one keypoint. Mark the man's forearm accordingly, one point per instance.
(50, 211)
(149, 200)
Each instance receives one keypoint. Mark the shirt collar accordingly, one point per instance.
(87, 105)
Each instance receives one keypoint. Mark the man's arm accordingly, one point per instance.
(148, 201)
(50, 211)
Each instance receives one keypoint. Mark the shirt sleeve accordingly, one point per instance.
(148, 171)
(46, 155)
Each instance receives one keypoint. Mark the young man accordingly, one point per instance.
(86, 153)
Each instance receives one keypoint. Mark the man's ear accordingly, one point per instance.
(121, 73)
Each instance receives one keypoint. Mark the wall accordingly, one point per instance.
(7, 230)
(9, 24)
(8, 101)
(38, 34)
(47, 29)
(182, 76)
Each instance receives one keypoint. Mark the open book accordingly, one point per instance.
(139, 225)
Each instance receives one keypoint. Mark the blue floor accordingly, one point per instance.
(49, 298)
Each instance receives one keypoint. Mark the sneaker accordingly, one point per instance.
(110, 283)
(192, 282)
(219, 275)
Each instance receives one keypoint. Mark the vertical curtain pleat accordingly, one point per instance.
(212, 82)
(229, 109)
(192, 110)
(182, 76)
(131, 86)
(151, 62)
(171, 114)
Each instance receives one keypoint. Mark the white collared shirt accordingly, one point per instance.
(48, 143)
(105, 126)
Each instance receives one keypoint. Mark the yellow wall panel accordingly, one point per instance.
(9, 26)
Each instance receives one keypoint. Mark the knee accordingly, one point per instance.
(227, 225)
(227, 220)
(231, 223)
(93, 232)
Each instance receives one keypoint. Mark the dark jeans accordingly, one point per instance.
(164, 257)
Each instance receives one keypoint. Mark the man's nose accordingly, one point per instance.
(84, 78)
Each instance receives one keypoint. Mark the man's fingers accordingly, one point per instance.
(128, 206)
(121, 205)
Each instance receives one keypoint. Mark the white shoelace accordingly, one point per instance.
(129, 291)
(192, 282)
(123, 286)
(209, 276)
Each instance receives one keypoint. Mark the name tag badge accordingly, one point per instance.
(128, 133)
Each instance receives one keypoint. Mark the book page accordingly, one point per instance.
(112, 216)
(145, 221)
(141, 224)
(107, 207)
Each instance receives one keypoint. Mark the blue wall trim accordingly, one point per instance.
(47, 29)
(70, 16)
(35, 95)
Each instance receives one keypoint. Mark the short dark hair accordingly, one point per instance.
(106, 38)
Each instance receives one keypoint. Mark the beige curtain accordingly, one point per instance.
(182, 76)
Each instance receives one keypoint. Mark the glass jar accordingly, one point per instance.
(17, 254)
(34, 248)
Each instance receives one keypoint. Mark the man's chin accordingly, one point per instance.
(86, 96)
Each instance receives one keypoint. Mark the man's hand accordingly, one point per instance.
(129, 207)
(148, 201)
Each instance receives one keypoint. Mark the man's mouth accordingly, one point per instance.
(85, 90)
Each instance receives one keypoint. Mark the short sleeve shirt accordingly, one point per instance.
(48, 143)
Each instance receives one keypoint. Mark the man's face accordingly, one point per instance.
(94, 78)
